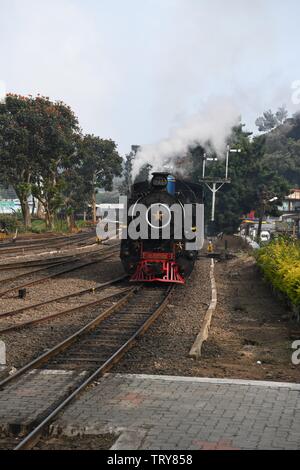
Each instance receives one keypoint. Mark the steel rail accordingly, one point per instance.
(34, 271)
(64, 271)
(48, 261)
(52, 316)
(35, 263)
(62, 297)
(37, 246)
(44, 240)
(40, 237)
(67, 260)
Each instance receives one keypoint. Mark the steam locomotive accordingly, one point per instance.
(158, 241)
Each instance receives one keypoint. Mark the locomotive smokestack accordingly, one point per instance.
(163, 180)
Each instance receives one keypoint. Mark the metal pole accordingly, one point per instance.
(227, 161)
(214, 190)
(261, 218)
(204, 165)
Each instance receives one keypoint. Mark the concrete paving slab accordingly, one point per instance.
(161, 412)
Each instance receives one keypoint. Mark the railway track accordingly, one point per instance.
(46, 263)
(93, 349)
(35, 238)
(52, 243)
(36, 263)
(24, 264)
(75, 264)
(39, 239)
(84, 299)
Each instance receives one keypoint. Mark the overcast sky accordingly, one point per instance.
(134, 69)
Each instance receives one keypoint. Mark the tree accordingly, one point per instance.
(281, 114)
(59, 134)
(19, 146)
(100, 164)
(269, 120)
(43, 153)
(144, 173)
(37, 140)
(282, 150)
(75, 192)
(127, 174)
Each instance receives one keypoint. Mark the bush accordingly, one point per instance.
(280, 263)
(38, 226)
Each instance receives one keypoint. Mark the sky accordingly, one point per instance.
(134, 70)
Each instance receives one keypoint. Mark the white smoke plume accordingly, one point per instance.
(211, 126)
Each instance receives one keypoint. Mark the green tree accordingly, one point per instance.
(76, 192)
(59, 131)
(37, 140)
(19, 147)
(282, 150)
(100, 164)
(125, 186)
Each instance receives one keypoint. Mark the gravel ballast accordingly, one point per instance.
(165, 347)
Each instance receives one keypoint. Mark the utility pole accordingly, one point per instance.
(262, 211)
(214, 190)
(215, 184)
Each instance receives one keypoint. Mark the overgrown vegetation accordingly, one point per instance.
(280, 263)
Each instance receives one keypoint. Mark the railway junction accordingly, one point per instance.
(95, 362)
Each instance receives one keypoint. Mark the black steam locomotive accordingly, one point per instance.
(157, 244)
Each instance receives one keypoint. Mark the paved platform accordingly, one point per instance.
(161, 412)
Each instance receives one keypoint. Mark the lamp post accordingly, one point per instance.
(264, 200)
